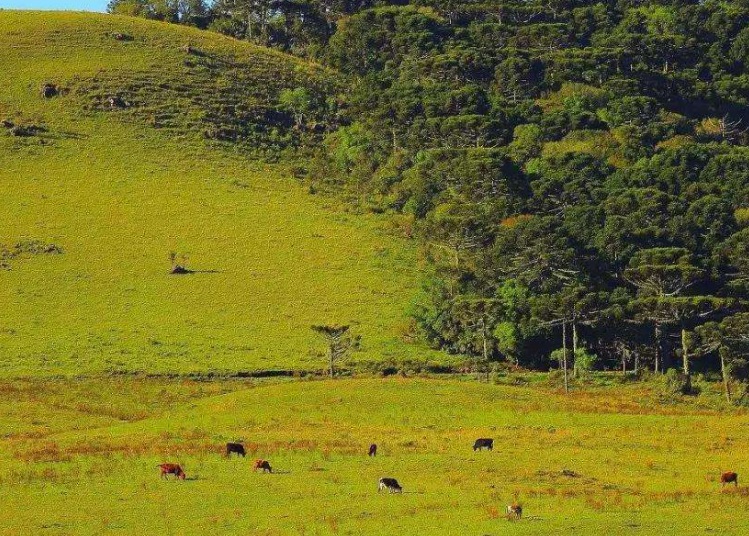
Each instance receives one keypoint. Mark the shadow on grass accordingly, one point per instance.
(179, 270)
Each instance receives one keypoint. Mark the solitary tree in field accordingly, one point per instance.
(340, 343)
(178, 262)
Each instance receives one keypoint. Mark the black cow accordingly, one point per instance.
(483, 443)
(236, 448)
(389, 484)
(373, 449)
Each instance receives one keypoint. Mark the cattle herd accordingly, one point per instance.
(391, 485)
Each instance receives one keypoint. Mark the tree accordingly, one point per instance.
(730, 339)
(684, 313)
(298, 101)
(132, 8)
(660, 275)
(340, 343)
(662, 272)
(194, 13)
(164, 10)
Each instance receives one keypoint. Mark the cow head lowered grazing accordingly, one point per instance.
(236, 448)
(172, 469)
(263, 465)
(389, 484)
(483, 443)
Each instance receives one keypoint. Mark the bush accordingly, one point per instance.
(584, 361)
(555, 378)
(677, 383)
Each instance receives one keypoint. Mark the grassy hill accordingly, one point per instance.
(605, 461)
(97, 198)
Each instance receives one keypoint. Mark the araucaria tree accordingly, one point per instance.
(340, 343)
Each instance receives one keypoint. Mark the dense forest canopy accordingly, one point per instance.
(578, 171)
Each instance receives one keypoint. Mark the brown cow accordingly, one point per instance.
(728, 477)
(172, 469)
(514, 511)
(262, 464)
(373, 449)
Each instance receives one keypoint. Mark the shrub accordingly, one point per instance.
(677, 383)
(584, 361)
(742, 216)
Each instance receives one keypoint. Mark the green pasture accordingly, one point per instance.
(70, 466)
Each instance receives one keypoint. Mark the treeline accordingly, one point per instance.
(301, 27)
(577, 171)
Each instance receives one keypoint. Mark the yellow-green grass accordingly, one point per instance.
(118, 196)
(70, 467)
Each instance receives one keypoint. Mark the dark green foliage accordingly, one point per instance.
(568, 167)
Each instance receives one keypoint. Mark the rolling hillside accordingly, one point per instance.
(96, 197)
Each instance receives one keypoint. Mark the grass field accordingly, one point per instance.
(117, 196)
(73, 464)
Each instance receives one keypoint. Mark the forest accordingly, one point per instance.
(576, 171)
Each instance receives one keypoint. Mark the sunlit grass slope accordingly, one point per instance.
(601, 462)
(117, 194)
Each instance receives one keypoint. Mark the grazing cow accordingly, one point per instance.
(728, 477)
(389, 484)
(372, 450)
(237, 448)
(49, 90)
(262, 464)
(116, 102)
(172, 469)
(514, 511)
(483, 443)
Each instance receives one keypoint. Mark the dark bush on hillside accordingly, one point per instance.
(25, 131)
